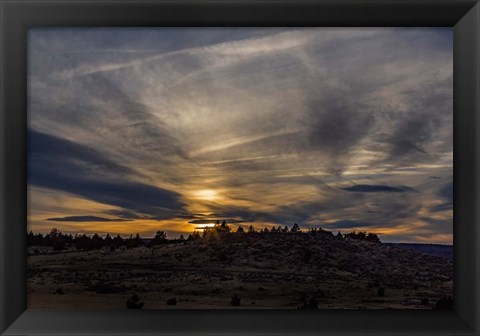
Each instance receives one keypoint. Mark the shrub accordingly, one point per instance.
(134, 302)
(59, 291)
(172, 302)
(235, 300)
(312, 303)
(444, 303)
(295, 228)
(425, 302)
(381, 291)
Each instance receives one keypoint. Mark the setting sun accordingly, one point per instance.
(206, 194)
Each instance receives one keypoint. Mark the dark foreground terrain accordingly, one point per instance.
(241, 271)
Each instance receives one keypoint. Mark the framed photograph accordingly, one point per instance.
(249, 167)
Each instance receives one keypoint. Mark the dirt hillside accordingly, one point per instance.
(242, 270)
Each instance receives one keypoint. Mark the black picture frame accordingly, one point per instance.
(17, 16)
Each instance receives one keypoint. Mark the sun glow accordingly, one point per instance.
(201, 226)
(206, 194)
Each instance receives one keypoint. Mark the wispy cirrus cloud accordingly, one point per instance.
(367, 188)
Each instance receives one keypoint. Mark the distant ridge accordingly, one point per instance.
(439, 250)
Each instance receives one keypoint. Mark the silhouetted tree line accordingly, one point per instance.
(60, 241)
(371, 237)
(55, 239)
(222, 228)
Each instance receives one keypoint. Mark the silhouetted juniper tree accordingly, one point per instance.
(444, 303)
(160, 238)
(235, 300)
(172, 302)
(312, 303)
(134, 302)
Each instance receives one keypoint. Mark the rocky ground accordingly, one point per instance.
(272, 270)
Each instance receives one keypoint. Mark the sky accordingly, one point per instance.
(145, 129)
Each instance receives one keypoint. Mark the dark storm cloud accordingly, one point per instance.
(369, 188)
(86, 219)
(59, 164)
